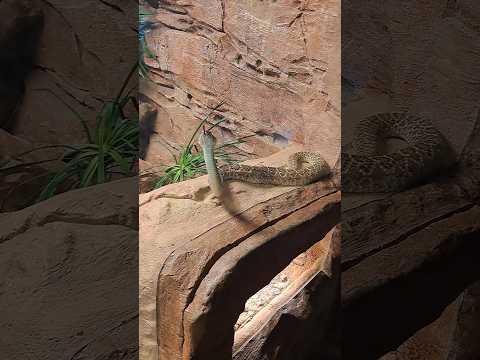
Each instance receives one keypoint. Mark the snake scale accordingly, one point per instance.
(367, 171)
(293, 175)
(363, 171)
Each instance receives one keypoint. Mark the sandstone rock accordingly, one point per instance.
(21, 180)
(91, 68)
(196, 239)
(275, 64)
(412, 252)
(430, 342)
(464, 344)
(237, 274)
(416, 64)
(147, 129)
(67, 288)
(148, 176)
(20, 27)
(418, 277)
(11, 146)
(302, 326)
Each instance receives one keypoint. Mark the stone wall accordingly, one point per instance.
(420, 57)
(56, 68)
(200, 262)
(276, 64)
(76, 69)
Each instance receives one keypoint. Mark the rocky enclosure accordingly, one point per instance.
(55, 69)
(274, 63)
(275, 67)
(200, 263)
(67, 288)
(409, 259)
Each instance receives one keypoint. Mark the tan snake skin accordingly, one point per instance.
(296, 174)
(365, 170)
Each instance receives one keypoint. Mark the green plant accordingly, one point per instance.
(190, 162)
(111, 148)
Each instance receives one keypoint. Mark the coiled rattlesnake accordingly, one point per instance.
(364, 170)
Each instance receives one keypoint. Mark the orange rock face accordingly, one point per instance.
(191, 248)
(275, 64)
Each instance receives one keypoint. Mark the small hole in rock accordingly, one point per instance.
(238, 58)
(217, 118)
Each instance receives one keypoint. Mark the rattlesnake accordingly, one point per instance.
(367, 171)
(362, 171)
(293, 175)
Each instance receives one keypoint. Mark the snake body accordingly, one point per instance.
(365, 170)
(207, 142)
(293, 175)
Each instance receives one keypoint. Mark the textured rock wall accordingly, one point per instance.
(421, 57)
(59, 61)
(20, 25)
(274, 63)
(68, 290)
(184, 233)
(76, 68)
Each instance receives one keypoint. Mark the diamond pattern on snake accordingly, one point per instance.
(366, 171)
(297, 173)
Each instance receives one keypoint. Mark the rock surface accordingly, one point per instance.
(58, 89)
(302, 323)
(275, 64)
(185, 233)
(21, 23)
(430, 342)
(90, 70)
(408, 57)
(464, 344)
(238, 273)
(67, 288)
(148, 176)
(418, 275)
(21, 181)
(404, 255)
